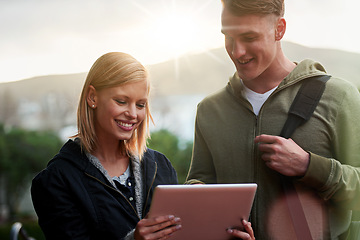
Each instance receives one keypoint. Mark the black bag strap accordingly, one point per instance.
(300, 111)
(304, 103)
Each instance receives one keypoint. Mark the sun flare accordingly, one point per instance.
(174, 32)
(176, 28)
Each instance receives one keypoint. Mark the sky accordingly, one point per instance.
(42, 37)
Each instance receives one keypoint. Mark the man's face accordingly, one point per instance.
(250, 43)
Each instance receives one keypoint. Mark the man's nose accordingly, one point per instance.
(238, 50)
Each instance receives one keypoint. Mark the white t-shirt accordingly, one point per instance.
(257, 99)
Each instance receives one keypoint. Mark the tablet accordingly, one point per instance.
(206, 211)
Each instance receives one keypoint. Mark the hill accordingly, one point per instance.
(200, 73)
(51, 101)
(338, 63)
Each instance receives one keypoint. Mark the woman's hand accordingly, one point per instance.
(247, 235)
(161, 227)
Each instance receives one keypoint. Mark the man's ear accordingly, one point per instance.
(280, 29)
(91, 97)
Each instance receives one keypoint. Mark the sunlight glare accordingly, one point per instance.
(174, 33)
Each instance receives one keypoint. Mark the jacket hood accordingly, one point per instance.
(72, 152)
(305, 69)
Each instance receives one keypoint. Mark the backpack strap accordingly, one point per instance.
(300, 111)
(304, 103)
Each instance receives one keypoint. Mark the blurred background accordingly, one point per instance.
(47, 47)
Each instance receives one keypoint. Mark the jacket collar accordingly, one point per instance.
(144, 170)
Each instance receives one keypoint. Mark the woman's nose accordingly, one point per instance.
(131, 111)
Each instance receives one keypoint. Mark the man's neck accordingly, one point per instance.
(273, 76)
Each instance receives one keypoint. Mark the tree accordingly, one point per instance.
(170, 145)
(8, 108)
(22, 154)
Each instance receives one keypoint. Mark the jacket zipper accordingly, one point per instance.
(106, 185)
(255, 170)
(152, 183)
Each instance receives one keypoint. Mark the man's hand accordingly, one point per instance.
(283, 155)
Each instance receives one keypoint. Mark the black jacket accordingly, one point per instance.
(74, 200)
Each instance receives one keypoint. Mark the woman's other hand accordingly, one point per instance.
(161, 227)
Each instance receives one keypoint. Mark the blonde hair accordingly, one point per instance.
(112, 70)
(257, 7)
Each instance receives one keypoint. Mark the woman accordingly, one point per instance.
(100, 184)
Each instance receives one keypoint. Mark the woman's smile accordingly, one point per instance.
(125, 126)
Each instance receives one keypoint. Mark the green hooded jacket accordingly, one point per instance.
(224, 152)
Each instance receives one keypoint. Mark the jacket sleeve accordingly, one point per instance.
(173, 179)
(202, 169)
(167, 173)
(59, 215)
(338, 179)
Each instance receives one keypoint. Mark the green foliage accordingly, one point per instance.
(22, 154)
(179, 154)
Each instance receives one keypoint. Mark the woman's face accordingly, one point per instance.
(119, 110)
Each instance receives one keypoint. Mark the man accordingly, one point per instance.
(237, 130)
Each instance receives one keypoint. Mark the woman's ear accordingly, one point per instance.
(91, 97)
(280, 29)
